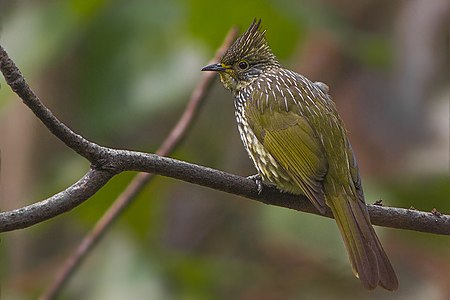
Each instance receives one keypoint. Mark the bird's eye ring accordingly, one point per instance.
(243, 65)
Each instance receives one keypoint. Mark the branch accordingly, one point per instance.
(107, 162)
(151, 163)
(60, 203)
(432, 222)
(130, 193)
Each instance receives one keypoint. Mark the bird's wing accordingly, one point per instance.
(354, 172)
(293, 144)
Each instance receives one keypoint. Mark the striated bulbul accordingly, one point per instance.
(296, 139)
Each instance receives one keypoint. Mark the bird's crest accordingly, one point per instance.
(251, 46)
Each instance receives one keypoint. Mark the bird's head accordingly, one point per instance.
(245, 60)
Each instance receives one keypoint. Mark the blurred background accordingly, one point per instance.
(121, 72)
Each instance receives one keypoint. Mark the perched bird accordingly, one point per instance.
(293, 134)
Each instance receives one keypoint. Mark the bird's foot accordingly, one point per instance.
(258, 181)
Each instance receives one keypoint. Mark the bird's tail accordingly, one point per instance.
(369, 261)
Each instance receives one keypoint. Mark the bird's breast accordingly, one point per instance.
(267, 166)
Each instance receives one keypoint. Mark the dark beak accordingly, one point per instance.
(214, 67)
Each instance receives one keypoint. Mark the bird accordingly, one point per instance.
(291, 130)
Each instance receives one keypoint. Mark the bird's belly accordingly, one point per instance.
(269, 169)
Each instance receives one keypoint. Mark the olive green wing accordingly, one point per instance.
(354, 172)
(293, 144)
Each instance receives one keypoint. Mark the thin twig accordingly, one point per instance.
(139, 181)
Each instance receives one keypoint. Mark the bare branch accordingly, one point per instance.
(400, 218)
(60, 203)
(139, 181)
(233, 184)
(107, 162)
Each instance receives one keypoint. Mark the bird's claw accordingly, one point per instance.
(258, 181)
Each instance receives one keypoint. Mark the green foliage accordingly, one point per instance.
(372, 50)
(211, 20)
(423, 193)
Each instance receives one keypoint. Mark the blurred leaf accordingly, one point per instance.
(211, 20)
(372, 50)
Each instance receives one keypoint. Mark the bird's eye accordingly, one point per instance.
(243, 65)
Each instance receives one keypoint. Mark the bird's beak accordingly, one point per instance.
(214, 67)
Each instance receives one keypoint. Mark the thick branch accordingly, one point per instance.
(60, 203)
(218, 180)
(117, 161)
(380, 215)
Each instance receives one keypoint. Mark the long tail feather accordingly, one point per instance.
(369, 261)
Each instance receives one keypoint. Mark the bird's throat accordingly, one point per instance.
(228, 81)
(231, 83)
